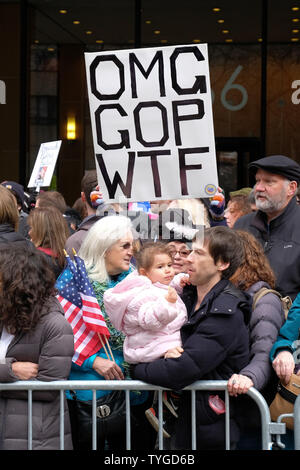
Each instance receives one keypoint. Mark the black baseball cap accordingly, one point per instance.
(17, 188)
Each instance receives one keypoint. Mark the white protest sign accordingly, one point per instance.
(152, 123)
(44, 164)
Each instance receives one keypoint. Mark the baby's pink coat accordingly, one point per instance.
(151, 324)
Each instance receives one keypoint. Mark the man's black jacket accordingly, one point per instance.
(215, 340)
(281, 242)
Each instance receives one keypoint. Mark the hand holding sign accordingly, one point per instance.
(96, 197)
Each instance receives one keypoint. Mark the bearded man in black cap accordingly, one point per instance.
(276, 224)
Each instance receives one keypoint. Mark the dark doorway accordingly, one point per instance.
(233, 156)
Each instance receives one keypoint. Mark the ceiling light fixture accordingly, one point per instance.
(148, 21)
(89, 32)
(294, 39)
(216, 9)
(220, 21)
(295, 8)
(99, 41)
(225, 31)
(259, 39)
(228, 40)
(63, 12)
(295, 20)
(157, 31)
(76, 22)
(295, 31)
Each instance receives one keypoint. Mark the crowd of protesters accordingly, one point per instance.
(216, 252)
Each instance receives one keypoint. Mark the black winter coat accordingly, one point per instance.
(8, 234)
(215, 340)
(281, 242)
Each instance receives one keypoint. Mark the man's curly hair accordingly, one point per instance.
(26, 283)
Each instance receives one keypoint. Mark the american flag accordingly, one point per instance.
(81, 308)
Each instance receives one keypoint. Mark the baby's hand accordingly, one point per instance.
(184, 281)
(171, 295)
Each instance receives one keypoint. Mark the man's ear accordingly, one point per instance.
(222, 266)
(292, 188)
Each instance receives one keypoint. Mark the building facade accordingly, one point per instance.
(254, 58)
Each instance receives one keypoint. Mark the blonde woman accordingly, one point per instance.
(49, 232)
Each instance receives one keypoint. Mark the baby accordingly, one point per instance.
(146, 307)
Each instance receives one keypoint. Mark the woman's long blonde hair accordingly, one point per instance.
(195, 208)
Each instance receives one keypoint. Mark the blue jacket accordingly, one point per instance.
(216, 344)
(289, 332)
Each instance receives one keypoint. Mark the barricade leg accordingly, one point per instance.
(62, 420)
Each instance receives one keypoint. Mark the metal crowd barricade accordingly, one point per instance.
(297, 423)
(267, 428)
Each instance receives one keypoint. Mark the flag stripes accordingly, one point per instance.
(81, 309)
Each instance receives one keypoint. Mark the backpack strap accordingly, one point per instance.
(261, 292)
(286, 302)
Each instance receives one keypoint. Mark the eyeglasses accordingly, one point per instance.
(182, 253)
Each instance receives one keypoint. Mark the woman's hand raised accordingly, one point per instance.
(108, 369)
